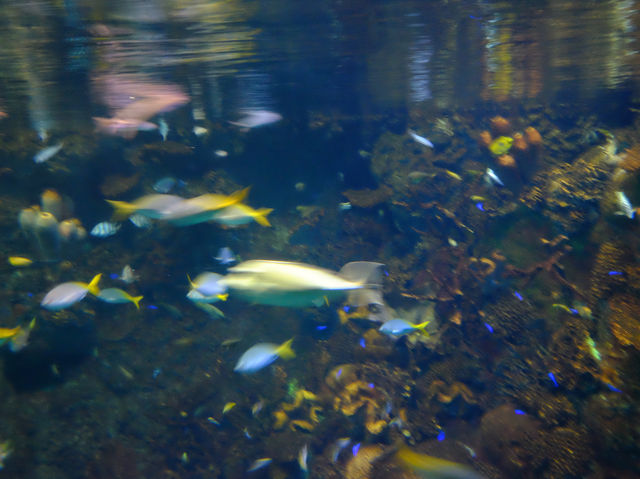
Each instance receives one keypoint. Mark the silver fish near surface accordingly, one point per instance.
(105, 229)
(257, 118)
(47, 153)
(626, 209)
(419, 139)
(492, 179)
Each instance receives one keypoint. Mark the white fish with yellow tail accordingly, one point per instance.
(151, 206)
(66, 294)
(241, 214)
(263, 354)
(398, 327)
(47, 153)
(429, 466)
(199, 298)
(201, 208)
(207, 284)
(287, 283)
(118, 296)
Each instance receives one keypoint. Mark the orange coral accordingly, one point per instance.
(533, 137)
(507, 161)
(519, 142)
(485, 139)
(500, 125)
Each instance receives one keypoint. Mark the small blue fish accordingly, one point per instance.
(519, 412)
(321, 328)
(339, 373)
(355, 449)
(263, 354)
(480, 206)
(553, 379)
(489, 327)
(420, 139)
(613, 388)
(574, 311)
(362, 343)
(518, 295)
(225, 256)
(105, 229)
(47, 153)
(398, 327)
(615, 273)
(165, 185)
(441, 435)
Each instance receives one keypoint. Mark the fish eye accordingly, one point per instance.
(374, 308)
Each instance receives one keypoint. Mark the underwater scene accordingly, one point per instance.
(274, 239)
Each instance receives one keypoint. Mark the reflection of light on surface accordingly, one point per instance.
(419, 55)
(255, 91)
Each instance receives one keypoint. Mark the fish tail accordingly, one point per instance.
(421, 326)
(93, 284)
(223, 297)
(136, 300)
(122, 209)
(261, 216)
(285, 351)
(191, 283)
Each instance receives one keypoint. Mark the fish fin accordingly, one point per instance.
(122, 209)
(223, 297)
(93, 284)
(238, 196)
(367, 273)
(191, 283)
(285, 351)
(260, 216)
(136, 300)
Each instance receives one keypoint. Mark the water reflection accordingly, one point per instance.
(237, 54)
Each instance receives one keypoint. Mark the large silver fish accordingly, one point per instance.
(286, 283)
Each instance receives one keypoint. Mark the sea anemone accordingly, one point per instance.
(533, 137)
(485, 139)
(500, 125)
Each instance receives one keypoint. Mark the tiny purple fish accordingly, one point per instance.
(613, 388)
(553, 379)
(152, 306)
(518, 295)
(441, 435)
(574, 310)
(480, 206)
(371, 385)
(519, 412)
(362, 343)
(114, 276)
(339, 373)
(615, 273)
(321, 328)
(489, 327)
(355, 449)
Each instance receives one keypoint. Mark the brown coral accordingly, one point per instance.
(446, 394)
(611, 256)
(624, 319)
(631, 159)
(360, 465)
(368, 198)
